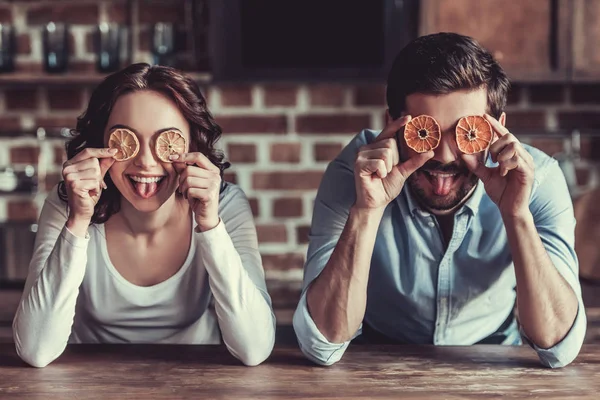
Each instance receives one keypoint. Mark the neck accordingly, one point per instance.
(149, 223)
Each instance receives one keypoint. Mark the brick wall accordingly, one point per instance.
(279, 137)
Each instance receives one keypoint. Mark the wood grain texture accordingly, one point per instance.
(415, 372)
(586, 34)
(517, 33)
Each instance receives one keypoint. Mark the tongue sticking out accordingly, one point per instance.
(146, 190)
(442, 185)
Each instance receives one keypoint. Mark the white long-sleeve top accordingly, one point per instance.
(74, 294)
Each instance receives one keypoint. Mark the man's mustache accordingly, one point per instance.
(451, 168)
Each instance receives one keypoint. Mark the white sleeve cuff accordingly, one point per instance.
(313, 343)
(565, 351)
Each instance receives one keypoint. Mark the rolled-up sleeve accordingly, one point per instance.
(554, 218)
(334, 198)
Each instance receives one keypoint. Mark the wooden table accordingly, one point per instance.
(417, 372)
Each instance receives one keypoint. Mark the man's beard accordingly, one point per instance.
(452, 200)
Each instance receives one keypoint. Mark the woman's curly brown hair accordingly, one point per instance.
(204, 131)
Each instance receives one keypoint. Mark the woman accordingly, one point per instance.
(141, 253)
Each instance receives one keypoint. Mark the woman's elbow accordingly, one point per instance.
(253, 355)
(32, 350)
(35, 357)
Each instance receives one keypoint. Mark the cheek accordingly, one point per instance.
(116, 171)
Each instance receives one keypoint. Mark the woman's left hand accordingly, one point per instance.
(200, 184)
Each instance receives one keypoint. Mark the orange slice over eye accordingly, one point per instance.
(125, 142)
(422, 133)
(169, 142)
(473, 134)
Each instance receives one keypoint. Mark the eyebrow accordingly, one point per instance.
(121, 126)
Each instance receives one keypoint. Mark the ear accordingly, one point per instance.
(502, 119)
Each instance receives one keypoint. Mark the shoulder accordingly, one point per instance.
(544, 164)
(231, 194)
(233, 204)
(349, 152)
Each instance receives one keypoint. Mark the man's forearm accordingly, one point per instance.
(337, 298)
(547, 304)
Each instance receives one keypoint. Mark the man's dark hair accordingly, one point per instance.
(442, 63)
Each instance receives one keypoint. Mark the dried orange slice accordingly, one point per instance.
(125, 142)
(422, 133)
(473, 134)
(169, 142)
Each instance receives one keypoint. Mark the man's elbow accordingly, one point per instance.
(558, 360)
(317, 357)
(559, 355)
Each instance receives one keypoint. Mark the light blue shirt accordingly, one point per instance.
(420, 292)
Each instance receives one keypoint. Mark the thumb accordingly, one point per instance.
(414, 163)
(476, 166)
(105, 164)
(179, 167)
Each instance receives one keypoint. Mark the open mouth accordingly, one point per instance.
(146, 186)
(442, 182)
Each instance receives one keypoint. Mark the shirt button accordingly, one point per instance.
(431, 224)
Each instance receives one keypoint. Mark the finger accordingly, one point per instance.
(204, 195)
(508, 165)
(180, 168)
(193, 182)
(370, 167)
(475, 165)
(192, 170)
(497, 126)
(88, 174)
(84, 188)
(196, 158)
(380, 154)
(390, 130)
(390, 144)
(105, 164)
(81, 166)
(507, 153)
(500, 144)
(408, 167)
(90, 152)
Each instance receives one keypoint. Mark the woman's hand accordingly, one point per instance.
(84, 179)
(200, 184)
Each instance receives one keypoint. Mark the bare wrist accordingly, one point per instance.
(516, 219)
(366, 215)
(78, 225)
(207, 225)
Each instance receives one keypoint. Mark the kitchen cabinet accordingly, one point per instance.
(530, 38)
(585, 38)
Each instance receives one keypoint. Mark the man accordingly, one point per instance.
(442, 247)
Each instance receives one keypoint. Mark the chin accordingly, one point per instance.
(146, 194)
(422, 188)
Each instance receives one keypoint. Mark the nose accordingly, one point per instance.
(145, 158)
(447, 152)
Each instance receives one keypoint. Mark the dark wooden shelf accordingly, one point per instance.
(70, 78)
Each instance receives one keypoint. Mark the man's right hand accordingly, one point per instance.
(84, 180)
(378, 173)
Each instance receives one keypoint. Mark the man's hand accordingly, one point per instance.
(509, 184)
(378, 173)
